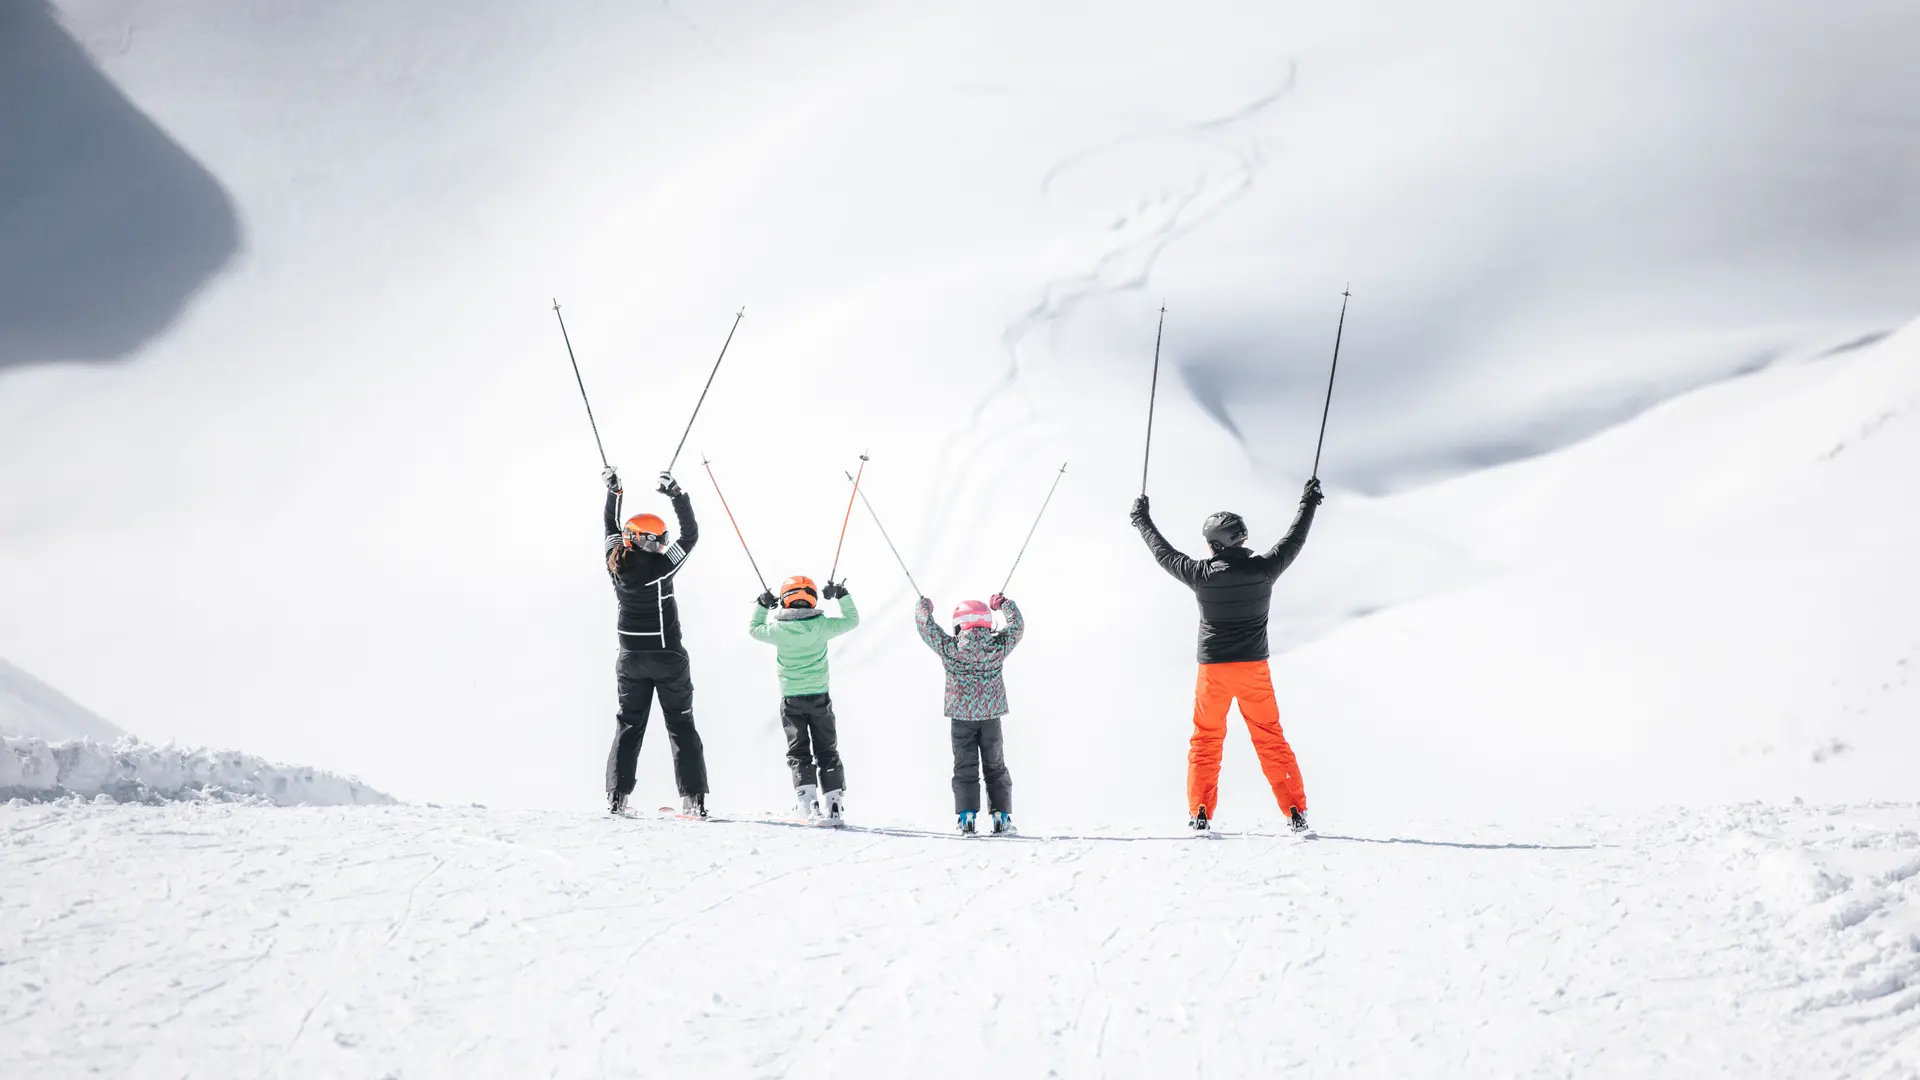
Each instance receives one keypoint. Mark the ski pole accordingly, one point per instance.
(1152, 393)
(741, 314)
(883, 535)
(1036, 526)
(847, 518)
(582, 382)
(736, 526)
(1330, 374)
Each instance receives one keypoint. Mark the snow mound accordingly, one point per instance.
(31, 707)
(133, 771)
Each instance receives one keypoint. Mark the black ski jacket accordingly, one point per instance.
(1234, 587)
(649, 615)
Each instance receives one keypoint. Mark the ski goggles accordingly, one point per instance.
(647, 541)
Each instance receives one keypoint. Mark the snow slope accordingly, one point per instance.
(344, 510)
(31, 707)
(1718, 601)
(132, 771)
(1751, 942)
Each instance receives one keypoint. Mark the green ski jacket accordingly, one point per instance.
(800, 636)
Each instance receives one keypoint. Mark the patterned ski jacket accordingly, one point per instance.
(649, 615)
(799, 637)
(975, 690)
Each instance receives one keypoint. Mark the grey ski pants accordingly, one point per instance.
(979, 745)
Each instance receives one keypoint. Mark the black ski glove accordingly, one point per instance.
(834, 590)
(1139, 515)
(669, 486)
(611, 477)
(766, 600)
(1313, 496)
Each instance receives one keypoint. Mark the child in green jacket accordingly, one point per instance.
(799, 631)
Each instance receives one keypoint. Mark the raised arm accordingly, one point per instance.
(848, 618)
(758, 628)
(1173, 562)
(1282, 554)
(931, 632)
(689, 533)
(1016, 627)
(611, 519)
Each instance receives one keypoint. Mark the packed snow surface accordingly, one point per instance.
(221, 940)
(133, 771)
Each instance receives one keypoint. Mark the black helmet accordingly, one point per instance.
(1224, 530)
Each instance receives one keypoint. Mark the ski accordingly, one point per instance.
(872, 830)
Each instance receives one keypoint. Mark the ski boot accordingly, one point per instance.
(835, 804)
(616, 803)
(694, 806)
(1003, 824)
(967, 826)
(1297, 818)
(808, 797)
(1199, 822)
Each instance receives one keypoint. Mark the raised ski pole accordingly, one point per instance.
(1036, 526)
(736, 526)
(847, 518)
(1152, 393)
(583, 384)
(741, 314)
(1337, 330)
(883, 535)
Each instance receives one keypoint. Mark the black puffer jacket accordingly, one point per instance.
(649, 615)
(1234, 587)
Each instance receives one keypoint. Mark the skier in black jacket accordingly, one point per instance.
(1235, 590)
(642, 563)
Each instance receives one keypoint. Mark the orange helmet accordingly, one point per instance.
(643, 527)
(798, 591)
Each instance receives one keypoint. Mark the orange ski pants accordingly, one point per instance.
(1251, 684)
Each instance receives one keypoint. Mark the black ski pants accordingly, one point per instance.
(980, 745)
(643, 673)
(811, 738)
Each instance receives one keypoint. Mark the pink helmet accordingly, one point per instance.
(972, 615)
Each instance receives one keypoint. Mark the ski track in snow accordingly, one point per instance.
(1157, 220)
(227, 940)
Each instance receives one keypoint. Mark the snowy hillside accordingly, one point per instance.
(1750, 942)
(1714, 602)
(344, 510)
(29, 707)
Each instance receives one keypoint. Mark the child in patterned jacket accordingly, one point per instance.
(976, 700)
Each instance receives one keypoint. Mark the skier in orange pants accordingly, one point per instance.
(1251, 684)
(1235, 590)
